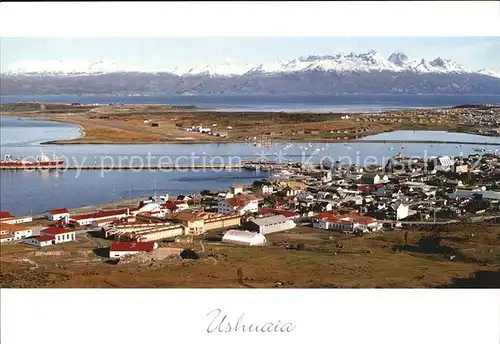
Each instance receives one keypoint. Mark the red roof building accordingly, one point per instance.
(55, 231)
(99, 215)
(133, 246)
(5, 215)
(170, 206)
(59, 211)
(43, 238)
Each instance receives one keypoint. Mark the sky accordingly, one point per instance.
(165, 53)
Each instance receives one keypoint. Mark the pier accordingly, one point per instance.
(123, 167)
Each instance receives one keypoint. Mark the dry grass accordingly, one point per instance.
(327, 260)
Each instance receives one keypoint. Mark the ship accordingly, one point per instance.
(40, 161)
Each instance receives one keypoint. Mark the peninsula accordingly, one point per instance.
(132, 123)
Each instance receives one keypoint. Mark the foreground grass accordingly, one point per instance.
(326, 260)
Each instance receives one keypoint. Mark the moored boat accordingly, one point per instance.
(40, 160)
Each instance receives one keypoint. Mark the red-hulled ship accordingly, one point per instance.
(40, 160)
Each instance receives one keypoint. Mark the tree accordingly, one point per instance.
(271, 199)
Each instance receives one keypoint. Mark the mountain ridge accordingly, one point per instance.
(314, 74)
(363, 62)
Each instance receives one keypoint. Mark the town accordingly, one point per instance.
(345, 200)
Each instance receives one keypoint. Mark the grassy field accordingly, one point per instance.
(326, 259)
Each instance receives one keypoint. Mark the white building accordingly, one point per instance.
(201, 129)
(57, 214)
(225, 195)
(271, 224)
(236, 189)
(402, 210)
(291, 192)
(373, 178)
(240, 204)
(39, 241)
(88, 219)
(6, 217)
(145, 208)
(442, 163)
(59, 234)
(267, 189)
(348, 223)
(246, 238)
(10, 232)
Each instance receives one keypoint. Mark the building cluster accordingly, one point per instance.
(207, 130)
(349, 199)
(487, 118)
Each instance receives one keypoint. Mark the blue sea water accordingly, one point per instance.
(323, 103)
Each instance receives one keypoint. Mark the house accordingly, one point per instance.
(184, 198)
(119, 249)
(57, 215)
(58, 234)
(325, 206)
(266, 189)
(246, 238)
(384, 191)
(100, 216)
(401, 210)
(39, 240)
(270, 224)
(203, 130)
(373, 178)
(239, 203)
(440, 163)
(14, 232)
(348, 223)
(224, 195)
(145, 208)
(170, 207)
(288, 191)
(6, 217)
(236, 189)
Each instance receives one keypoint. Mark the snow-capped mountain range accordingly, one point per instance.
(339, 63)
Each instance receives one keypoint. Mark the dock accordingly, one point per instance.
(123, 167)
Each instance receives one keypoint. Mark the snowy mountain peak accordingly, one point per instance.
(67, 67)
(489, 72)
(372, 61)
(399, 59)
